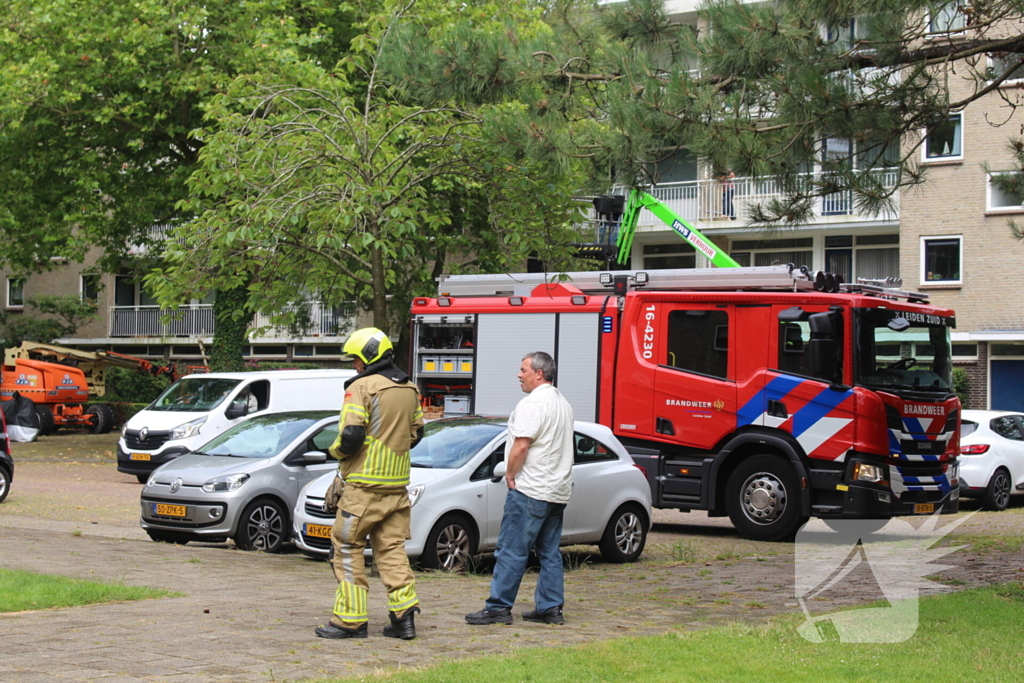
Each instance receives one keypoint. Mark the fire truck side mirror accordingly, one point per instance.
(822, 346)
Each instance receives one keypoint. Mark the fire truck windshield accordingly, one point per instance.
(899, 350)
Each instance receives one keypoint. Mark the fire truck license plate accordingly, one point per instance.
(140, 456)
(924, 508)
(168, 510)
(317, 530)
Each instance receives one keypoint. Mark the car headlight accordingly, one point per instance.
(225, 482)
(415, 493)
(124, 430)
(152, 479)
(954, 474)
(186, 430)
(870, 473)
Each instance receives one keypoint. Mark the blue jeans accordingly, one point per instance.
(525, 523)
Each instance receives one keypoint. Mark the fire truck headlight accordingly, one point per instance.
(874, 474)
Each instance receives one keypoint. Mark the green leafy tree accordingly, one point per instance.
(338, 186)
(64, 316)
(99, 101)
(758, 88)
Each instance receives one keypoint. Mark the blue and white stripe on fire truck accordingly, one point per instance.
(816, 415)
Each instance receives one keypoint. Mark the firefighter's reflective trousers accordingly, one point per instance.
(382, 516)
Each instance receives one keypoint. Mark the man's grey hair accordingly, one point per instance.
(543, 363)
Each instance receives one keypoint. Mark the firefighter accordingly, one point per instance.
(381, 420)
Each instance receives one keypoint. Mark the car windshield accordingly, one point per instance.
(903, 351)
(451, 444)
(967, 427)
(194, 394)
(259, 437)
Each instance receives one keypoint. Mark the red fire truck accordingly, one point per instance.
(768, 394)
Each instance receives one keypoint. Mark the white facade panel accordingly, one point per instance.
(502, 339)
(577, 362)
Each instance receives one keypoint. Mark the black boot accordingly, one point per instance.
(333, 631)
(404, 628)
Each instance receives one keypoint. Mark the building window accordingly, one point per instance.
(15, 292)
(941, 260)
(128, 291)
(847, 34)
(674, 255)
(945, 141)
(90, 288)
(947, 18)
(868, 257)
(1000, 62)
(797, 251)
(965, 351)
(1002, 193)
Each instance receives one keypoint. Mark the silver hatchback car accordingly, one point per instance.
(243, 484)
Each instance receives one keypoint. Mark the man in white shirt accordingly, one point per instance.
(538, 457)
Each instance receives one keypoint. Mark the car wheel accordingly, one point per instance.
(451, 544)
(262, 526)
(997, 493)
(625, 536)
(763, 499)
(5, 483)
(103, 420)
(143, 478)
(46, 422)
(168, 537)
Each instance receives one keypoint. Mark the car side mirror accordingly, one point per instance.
(236, 410)
(314, 458)
(499, 472)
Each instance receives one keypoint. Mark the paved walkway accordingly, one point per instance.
(250, 617)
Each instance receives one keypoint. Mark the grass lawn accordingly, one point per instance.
(969, 636)
(21, 591)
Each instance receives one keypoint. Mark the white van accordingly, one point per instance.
(197, 408)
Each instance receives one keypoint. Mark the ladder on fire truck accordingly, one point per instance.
(768, 278)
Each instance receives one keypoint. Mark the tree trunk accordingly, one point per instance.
(380, 290)
(231, 316)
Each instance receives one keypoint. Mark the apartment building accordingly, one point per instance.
(948, 238)
(130, 321)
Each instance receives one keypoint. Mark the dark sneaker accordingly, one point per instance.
(333, 631)
(501, 615)
(404, 628)
(548, 616)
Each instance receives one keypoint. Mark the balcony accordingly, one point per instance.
(318, 321)
(704, 202)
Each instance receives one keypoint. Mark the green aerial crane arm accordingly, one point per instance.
(639, 199)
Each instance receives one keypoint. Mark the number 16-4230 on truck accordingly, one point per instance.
(766, 394)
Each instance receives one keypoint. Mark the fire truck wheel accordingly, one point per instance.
(763, 499)
(46, 421)
(997, 493)
(104, 418)
(625, 536)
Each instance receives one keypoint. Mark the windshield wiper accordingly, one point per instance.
(418, 464)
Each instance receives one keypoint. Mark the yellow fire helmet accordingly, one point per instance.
(368, 344)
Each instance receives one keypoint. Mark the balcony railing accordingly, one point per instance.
(316, 320)
(710, 201)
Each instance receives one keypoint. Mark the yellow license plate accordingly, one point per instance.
(924, 508)
(140, 456)
(168, 510)
(317, 530)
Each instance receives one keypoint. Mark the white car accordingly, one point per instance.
(458, 497)
(991, 456)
